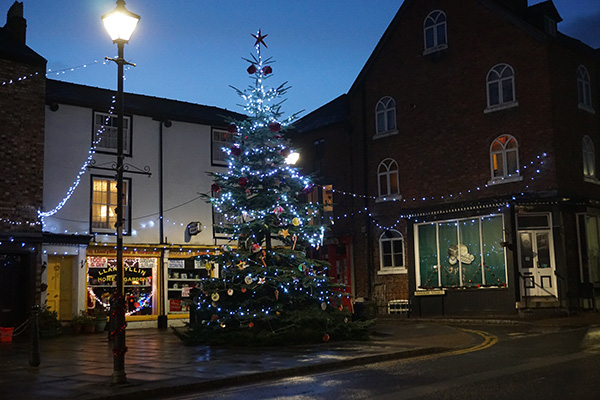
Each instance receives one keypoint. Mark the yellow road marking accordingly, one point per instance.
(488, 341)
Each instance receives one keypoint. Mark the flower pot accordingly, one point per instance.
(100, 324)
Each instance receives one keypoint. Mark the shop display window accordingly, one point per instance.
(182, 276)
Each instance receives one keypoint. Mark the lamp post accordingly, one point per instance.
(120, 24)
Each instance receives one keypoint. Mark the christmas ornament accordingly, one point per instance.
(215, 297)
(323, 306)
(274, 126)
(243, 181)
(214, 317)
(215, 187)
(256, 248)
(236, 151)
(284, 233)
(243, 290)
(230, 292)
(261, 281)
(278, 210)
(223, 325)
(251, 325)
(232, 128)
(276, 294)
(251, 69)
(267, 70)
(226, 248)
(295, 222)
(248, 280)
(259, 39)
(326, 337)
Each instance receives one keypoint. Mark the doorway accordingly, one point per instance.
(536, 263)
(60, 286)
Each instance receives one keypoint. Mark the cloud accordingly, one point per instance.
(585, 28)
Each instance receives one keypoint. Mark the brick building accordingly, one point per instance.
(464, 170)
(22, 88)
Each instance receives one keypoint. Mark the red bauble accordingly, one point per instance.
(243, 181)
(274, 126)
(326, 337)
(215, 187)
(267, 70)
(232, 128)
(236, 151)
(251, 69)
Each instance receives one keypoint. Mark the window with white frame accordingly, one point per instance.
(500, 84)
(104, 204)
(221, 224)
(388, 182)
(504, 159)
(391, 252)
(584, 88)
(105, 135)
(220, 138)
(589, 158)
(385, 116)
(435, 32)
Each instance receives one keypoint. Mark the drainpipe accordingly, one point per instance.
(162, 317)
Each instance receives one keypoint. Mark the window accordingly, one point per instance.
(388, 178)
(504, 159)
(104, 203)
(323, 195)
(589, 159)
(385, 116)
(584, 89)
(220, 139)
(319, 157)
(461, 253)
(434, 30)
(105, 133)
(550, 25)
(501, 87)
(221, 225)
(391, 252)
(588, 227)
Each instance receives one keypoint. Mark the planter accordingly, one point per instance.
(100, 324)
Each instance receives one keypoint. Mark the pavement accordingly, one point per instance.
(158, 364)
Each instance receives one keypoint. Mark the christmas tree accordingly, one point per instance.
(269, 291)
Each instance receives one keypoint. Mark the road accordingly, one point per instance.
(512, 363)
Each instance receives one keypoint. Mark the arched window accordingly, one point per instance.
(385, 115)
(589, 158)
(501, 86)
(584, 88)
(391, 250)
(504, 158)
(387, 174)
(434, 31)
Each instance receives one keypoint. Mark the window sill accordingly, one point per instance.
(385, 134)
(587, 108)
(435, 49)
(591, 179)
(392, 197)
(503, 106)
(499, 181)
(392, 271)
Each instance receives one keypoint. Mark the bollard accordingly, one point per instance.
(34, 352)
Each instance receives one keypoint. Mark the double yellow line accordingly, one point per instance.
(488, 341)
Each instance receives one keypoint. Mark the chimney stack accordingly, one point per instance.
(16, 25)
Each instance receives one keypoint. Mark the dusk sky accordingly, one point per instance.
(191, 50)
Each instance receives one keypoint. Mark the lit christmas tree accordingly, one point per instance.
(269, 291)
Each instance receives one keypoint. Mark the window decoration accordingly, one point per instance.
(584, 89)
(385, 116)
(434, 31)
(104, 202)
(461, 253)
(504, 159)
(391, 252)
(220, 139)
(589, 158)
(387, 174)
(107, 125)
(501, 87)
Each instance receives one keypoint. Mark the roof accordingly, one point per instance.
(11, 49)
(334, 112)
(158, 108)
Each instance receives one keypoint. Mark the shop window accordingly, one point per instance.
(104, 203)
(104, 136)
(589, 159)
(391, 252)
(504, 160)
(388, 183)
(435, 32)
(183, 275)
(584, 89)
(461, 253)
(220, 139)
(385, 117)
(500, 84)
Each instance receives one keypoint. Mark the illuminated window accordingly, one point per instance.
(504, 159)
(391, 251)
(323, 195)
(385, 116)
(104, 203)
(589, 158)
(501, 87)
(388, 178)
(105, 133)
(220, 139)
(434, 31)
(584, 89)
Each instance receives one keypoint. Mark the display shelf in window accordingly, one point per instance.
(182, 276)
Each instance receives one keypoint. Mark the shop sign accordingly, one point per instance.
(434, 292)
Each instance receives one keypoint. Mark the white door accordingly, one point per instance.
(536, 263)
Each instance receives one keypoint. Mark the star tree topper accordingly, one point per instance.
(259, 39)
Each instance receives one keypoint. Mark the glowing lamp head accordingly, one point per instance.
(120, 23)
(292, 158)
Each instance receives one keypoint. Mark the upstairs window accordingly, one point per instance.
(589, 159)
(504, 159)
(387, 174)
(584, 89)
(391, 252)
(385, 116)
(105, 134)
(501, 87)
(434, 32)
(104, 204)
(220, 138)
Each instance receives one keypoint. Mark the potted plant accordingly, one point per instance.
(79, 320)
(49, 324)
(100, 318)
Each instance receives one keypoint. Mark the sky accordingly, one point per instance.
(192, 50)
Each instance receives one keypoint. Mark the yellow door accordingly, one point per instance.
(60, 286)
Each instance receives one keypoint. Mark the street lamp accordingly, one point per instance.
(120, 24)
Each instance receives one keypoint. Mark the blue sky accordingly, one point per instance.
(191, 50)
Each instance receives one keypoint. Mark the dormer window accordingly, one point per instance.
(434, 32)
(549, 25)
